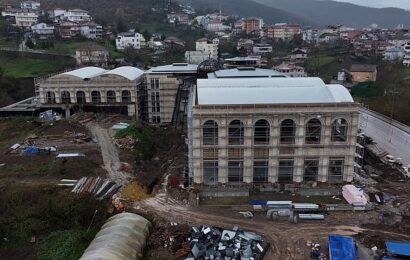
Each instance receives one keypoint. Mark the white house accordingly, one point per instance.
(209, 47)
(91, 30)
(129, 39)
(32, 5)
(291, 70)
(394, 54)
(42, 29)
(261, 49)
(406, 59)
(22, 18)
(77, 15)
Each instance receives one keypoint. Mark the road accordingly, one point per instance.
(393, 138)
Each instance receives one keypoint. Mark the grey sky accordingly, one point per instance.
(405, 4)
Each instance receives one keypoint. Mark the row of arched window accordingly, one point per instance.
(111, 97)
(313, 132)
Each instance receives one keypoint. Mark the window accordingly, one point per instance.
(210, 172)
(339, 130)
(260, 171)
(210, 133)
(287, 131)
(50, 97)
(235, 171)
(285, 171)
(311, 169)
(65, 97)
(262, 132)
(80, 97)
(156, 119)
(313, 131)
(236, 132)
(95, 97)
(126, 96)
(155, 84)
(111, 98)
(155, 103)
(336, 169)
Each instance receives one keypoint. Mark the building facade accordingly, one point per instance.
(282, 31)
(30, 5)
(21, 18)
(208, 47)
(252, 24)
(291, 70)
(281, 133)
(167, 90)
(363, 72)
(43, 29)
(92, 54)
(92, 87)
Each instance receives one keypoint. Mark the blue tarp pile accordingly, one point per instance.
(342, 248)
(398, 248)
(31, 150)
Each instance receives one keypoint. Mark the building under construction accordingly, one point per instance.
(270, 131)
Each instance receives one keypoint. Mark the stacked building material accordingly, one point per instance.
(102, 189)
(210, 242)
(353, 196)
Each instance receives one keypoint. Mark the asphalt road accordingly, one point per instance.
(393, 137)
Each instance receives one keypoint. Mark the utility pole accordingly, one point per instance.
(393, 93)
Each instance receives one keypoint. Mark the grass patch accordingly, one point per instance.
(8, 42)
(366, 89)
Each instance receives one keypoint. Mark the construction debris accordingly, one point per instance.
(134, 192)
(209, 242)
(50, 115)
(120, 126)
(353, 195)
(69, 155)
(102, 189)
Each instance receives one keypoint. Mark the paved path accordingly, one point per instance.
(391, 136)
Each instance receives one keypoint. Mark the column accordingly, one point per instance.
(223, 152)
(274, 151)
(196, 150)
(299, 150)
(248, 153)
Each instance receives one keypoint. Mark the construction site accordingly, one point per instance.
(214, 176)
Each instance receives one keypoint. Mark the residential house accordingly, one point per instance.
(91, 30)
(283, 31)
(298, 56)
(406, 59)
(178, 18)
(252, 24)
(30, 5)
(172, 41)
(76, 15)
(291, 70)
(344, 75)
(209, 47)
(239, 62)
(67, 29)
(196, 57)
(328, 38)
(363, 72)
(262, 49)
(216, 26)
(56, 14)
(21, 17)
(43, 29)
(129, 39)
(92, 54)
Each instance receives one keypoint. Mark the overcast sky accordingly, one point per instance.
(405, 4)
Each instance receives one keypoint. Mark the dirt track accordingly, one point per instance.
(109, 152)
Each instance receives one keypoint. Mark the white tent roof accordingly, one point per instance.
(175, 68)
(127, 72)
(85, 73)
(269, 91)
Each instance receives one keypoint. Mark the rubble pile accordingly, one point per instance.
(78, 138)
(127, 142)
(209, 242)
(134, 192)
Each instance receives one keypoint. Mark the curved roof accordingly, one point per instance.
(246, 91)
(175, 68)
(123, 237)
(128, 72)
(245, 73)
(85, 73)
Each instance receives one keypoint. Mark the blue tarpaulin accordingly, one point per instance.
(31, 150)
(257, 202)
(398, 248)
(342, 248)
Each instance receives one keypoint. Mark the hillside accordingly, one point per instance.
(270, 14)
(330, 12)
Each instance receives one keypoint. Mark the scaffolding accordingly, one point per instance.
(275, 146)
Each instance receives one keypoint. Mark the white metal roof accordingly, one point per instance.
(245, 73)
(86, 72)
(175, 68)
(246, 91)
(127, 72)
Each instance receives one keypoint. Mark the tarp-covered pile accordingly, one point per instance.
(123, 237)
(342, 248)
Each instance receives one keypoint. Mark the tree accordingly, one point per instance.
(121, 26)
(29, 43)
(147, 35)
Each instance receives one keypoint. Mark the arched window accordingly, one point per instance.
(50, 97)
(339, 130)
(287, 131)
(262, 132)
(111, 98)
(236, 132)
(95, 97)
(80, 97)
(313, 131)
(126, 96)
(210, 133)
(65, 97)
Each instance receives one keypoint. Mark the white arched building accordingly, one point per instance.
(92, 86)
(276, 132)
